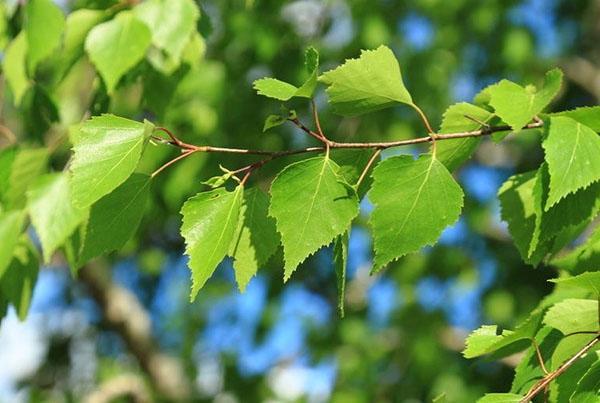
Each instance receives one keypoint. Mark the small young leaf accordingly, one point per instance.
(171, 22)
(414, 201)
(116, 46)
(114, 218)
(371, 82)
(273, 121)
(274, 88)
(572, 151)
(16, 284)
(218, 181)
(459, 118)
(209, 223)
(52, 212)
(517, 105)
(311, 62)
(256, 237)
(11, 227)
(106, 154)
(573, 315)
(14, 68)
(311, 206)
(44, 25)
(340, 259)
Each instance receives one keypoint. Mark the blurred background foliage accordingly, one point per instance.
(404, 328)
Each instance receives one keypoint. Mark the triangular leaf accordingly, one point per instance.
(371, 82)
(311, 207)
(572, 151)
(52, 212)
(256, 237)
(274, 88)
(573, 315)
(114, 218)
(106, 154)
(116, 46)
(414, 201)
(516, 105)
(209, 223)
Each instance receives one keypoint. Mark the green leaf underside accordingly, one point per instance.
(518, 209)
(11, 225)
(340, 260)
(256, 238)
(453, 153)
(351, 163)
(500, 398)
(572, 151)
(588, 281)
(114, 218)
(588, 116)
(573, 315)
(369, 83)
(273, 121)
(414, 201)
(52, 213)
(106, 154)
(116, 46)
(516, 105)
(588, 388)
(172, 23)
(45, 24)
(17, 283)
(210, 220)
(14, 67)
(311, 206)
(585, 257)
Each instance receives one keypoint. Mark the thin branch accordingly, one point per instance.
(539, 356)
(425, 120)
(311, 133)
(171, 162)
(545, 381)
(316, 118)
(366, 169)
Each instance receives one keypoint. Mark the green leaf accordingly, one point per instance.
(340, 259)
(572, 151)
(274, 88)
(26, 166)
(277, 89)
(256, 237)
(352, 162)
(14, 68)
(274, 121)
(117, 46)
(78, 24)
(500, 398)
(588, 389)
(44, 25)
(106, 154)
(17, 283)
(482, 341)
(114, 218)
(458, 118)
(172, 23)
(369, 83)
(414, 201)
(516, 105)
(52, 212)
(72, 248)
(573, 315)
(311, 62)
(567, 382)
(518, 209)
(209, 225)
(312, 206)
(11, 227)
(584, 257)
(588, 116)
(589, 281)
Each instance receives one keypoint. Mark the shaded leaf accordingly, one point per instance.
(44, 26)
(19, 279)
(14, 68)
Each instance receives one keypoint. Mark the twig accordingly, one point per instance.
(171, 162)
(539, 356)
(316, 118)
(366, 169)
(545, 381)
